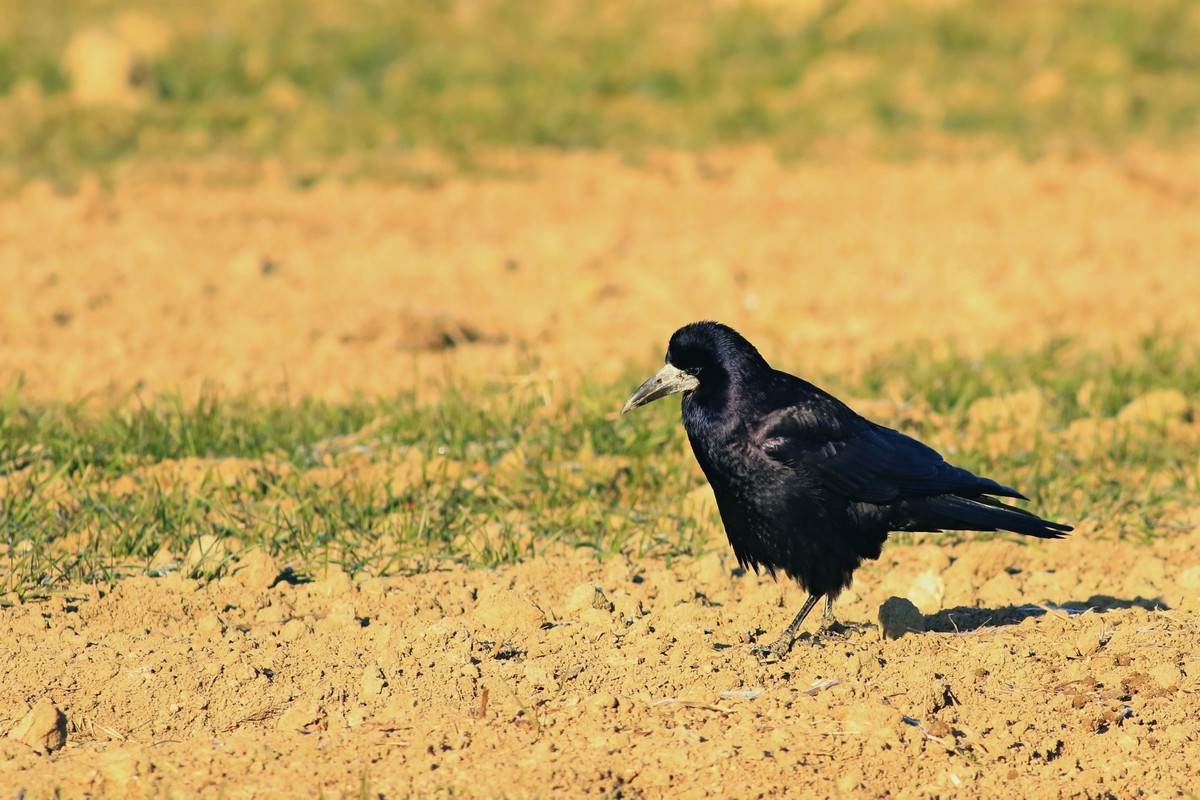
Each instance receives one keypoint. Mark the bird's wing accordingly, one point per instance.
(861, 460)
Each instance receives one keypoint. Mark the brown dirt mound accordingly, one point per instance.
(569, 676)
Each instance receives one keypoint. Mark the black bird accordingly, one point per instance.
(804, 484)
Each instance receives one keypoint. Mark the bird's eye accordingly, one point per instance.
(680, 362)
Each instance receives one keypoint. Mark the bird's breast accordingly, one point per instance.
(754, 493)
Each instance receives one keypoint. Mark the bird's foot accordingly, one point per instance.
(840, 630)
(776, 650)
(772, 652)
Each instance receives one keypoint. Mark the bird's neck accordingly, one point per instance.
(714, 407)
(727, 394)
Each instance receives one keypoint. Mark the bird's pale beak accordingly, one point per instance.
(668, 380)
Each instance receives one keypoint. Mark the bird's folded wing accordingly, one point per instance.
(864, 461)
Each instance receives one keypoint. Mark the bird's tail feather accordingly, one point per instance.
(985, 513)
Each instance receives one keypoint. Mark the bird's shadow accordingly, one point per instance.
(964, 619)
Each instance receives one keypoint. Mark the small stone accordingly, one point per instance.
(44, 728)
(588, 595)
(256, 569)
(938, 729)
(898, 616)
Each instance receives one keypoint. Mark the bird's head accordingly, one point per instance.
(702, 357)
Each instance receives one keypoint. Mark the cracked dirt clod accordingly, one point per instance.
(44, 728)
(898, 616)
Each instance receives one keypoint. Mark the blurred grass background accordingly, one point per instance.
(353, 85)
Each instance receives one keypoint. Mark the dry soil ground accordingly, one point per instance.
(1057, 669)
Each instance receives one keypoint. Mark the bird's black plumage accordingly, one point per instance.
(805, 485)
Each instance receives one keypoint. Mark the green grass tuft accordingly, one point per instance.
(502, 473)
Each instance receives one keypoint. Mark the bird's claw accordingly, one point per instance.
(776, 651)
(840, 630)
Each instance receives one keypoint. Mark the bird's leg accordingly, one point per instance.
(830, 624)
(780, 647)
